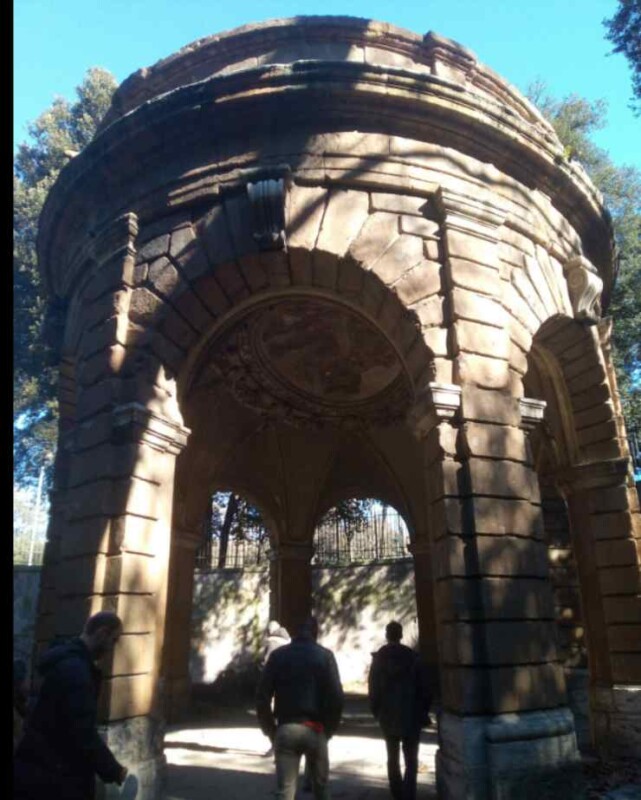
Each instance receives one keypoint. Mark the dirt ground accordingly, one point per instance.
(221, 753)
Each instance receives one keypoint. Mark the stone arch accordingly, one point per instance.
(584, 471)
(190, 280)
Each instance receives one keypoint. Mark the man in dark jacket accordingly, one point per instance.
(303, 679)
(399, 700)
(61, 751)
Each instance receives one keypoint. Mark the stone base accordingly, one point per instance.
(616, 720)
(177, 698)
(528, 755)
(138, 744)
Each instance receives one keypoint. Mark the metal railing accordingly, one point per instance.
(379, 537)
(249, 552)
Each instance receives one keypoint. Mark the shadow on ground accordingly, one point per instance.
(220, 752)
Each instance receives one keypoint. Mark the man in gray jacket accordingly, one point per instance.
(303, 679)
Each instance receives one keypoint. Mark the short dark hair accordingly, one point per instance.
(103, 619)
(394, 631)
(309, 627)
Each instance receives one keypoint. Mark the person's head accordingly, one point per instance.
(309, 628)
(101, 632)
(394, 632)
(273, 628)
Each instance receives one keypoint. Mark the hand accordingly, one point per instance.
(123, 774)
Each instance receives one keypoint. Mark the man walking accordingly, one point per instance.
(399, 700)
(61, 751)
(302, 677)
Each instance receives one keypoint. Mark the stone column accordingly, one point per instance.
(175, 671)
(427, 631)
(48, 594)
(291, 569)
(115, 536)
(605, 536)
(505, 729)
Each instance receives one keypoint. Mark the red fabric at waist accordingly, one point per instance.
(318, 727)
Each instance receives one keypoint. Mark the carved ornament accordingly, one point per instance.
(585, 288)
(267, 198)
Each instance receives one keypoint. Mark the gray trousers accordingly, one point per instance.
(292, 741)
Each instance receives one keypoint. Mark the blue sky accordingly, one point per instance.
(559, 41)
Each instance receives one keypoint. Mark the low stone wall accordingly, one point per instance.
(353, 605)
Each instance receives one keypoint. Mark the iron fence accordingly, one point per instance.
(379, 537)
(249, 552)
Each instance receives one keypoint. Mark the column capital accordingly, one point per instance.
(594, 475)
(292, 551)
(420, 547)
(438, 402)
(479, 217)
(532, 412)
(117, 235)
(135, 423)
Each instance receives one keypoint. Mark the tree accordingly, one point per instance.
(54, 137)
(575, 119)
(624, 31)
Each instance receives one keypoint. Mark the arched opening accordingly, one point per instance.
(360, 531)
(362, 578)
(235, 535)
(230, 605)
(578, 455)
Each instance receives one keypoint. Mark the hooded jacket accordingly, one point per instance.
(60, 737)
(398, 692)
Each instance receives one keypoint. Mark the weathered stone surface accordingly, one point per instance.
(344, 216)
(376, 235)
(403, 253)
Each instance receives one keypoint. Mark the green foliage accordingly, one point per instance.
(54, 137)
(624, 31)
(247, 523)
(575, 119)
(353, 513)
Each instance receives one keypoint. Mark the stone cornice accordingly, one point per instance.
(318, 38)
(134, 423)
(294, 551)
(339, 94)
(440, 402)
(532, 412)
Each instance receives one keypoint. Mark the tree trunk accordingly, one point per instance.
(230, 513)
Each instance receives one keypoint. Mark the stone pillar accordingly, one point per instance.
(115, 530)
(605, 535)
(291, 569)
(427, 631)
(175, 671)
(505, 729)
(48, 594)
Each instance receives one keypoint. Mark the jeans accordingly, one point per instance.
(293, 740)
(402, 788)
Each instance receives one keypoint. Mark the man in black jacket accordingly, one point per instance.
(303, 679)
(61, 751)
(399, 699)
